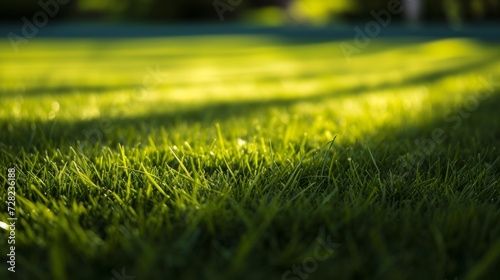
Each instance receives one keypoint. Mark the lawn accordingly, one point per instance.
(251, 157)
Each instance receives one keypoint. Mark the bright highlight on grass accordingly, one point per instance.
(216, 153)
(4, 226)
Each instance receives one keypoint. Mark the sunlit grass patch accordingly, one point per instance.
(234, 154)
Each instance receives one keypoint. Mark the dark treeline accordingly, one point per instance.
(205, 10)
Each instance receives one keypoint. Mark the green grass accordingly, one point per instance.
(246, 154)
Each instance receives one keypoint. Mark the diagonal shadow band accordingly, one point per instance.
(452, 137)
(71, 88)
(68, 133)
(67, 89)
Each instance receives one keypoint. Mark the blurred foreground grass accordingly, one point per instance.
(210, 157)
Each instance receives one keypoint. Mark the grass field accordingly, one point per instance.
(251, 157)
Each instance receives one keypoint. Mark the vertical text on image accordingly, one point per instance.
(11, 211)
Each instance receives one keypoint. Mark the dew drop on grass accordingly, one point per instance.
(241, 142)
(55, 106)
(51, 115)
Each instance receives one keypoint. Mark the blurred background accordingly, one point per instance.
(262, 12)
(108, 80)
